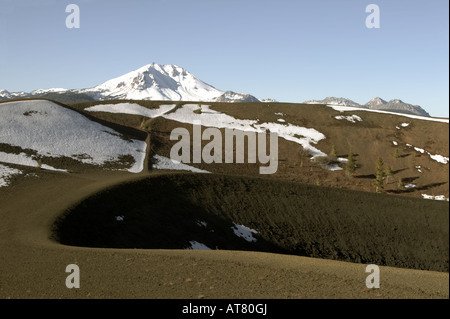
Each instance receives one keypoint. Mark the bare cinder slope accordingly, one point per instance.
(240, 213)
(33, 265)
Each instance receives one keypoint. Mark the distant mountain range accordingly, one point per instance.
(377, 103)
(150, 82)
(173, 83)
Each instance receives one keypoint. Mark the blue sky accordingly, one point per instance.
(291, 51)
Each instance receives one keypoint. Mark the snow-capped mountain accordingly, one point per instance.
(150, 82)
(230, 96)
(4, 94)
(377, 103)
(155, 82)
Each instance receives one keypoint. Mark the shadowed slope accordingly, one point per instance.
(165, 211)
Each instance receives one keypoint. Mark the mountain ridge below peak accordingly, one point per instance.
(377, 103)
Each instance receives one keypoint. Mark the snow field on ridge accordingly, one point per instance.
(134, 109)
(25, 160)
(167, 163)
(341, 109)
(210, 118)
(55, 131)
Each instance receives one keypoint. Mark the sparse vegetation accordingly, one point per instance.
(388, 173)
(142, 126)
(29, 113)
(351, 164)
(333, 152)
(396, 153)
(303, 152)
(161, 211)
(318, 183)
(400, 183)
(379, 176)
(39, 163)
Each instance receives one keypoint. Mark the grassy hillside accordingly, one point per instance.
(166, 212)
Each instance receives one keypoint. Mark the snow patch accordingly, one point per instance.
(436, 157)
(131, 108)
(333, 167)
(439, 158)
(25, 160)
(201, 223)
(6, 173)
(167, 163)
(354, 109)
(196, 245)
(437, 197)
(244, 232)
(353, 118)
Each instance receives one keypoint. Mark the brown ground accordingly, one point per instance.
(33, 266)
(368, 140)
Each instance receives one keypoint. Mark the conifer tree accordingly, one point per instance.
(400, 183)
(388, 173)
(333, 152)
(379, 176)
(396, 153)
(351, 166)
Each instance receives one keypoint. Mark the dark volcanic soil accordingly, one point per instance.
(164, 212)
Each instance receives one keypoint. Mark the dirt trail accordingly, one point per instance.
(33, 265)
(148, 151)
